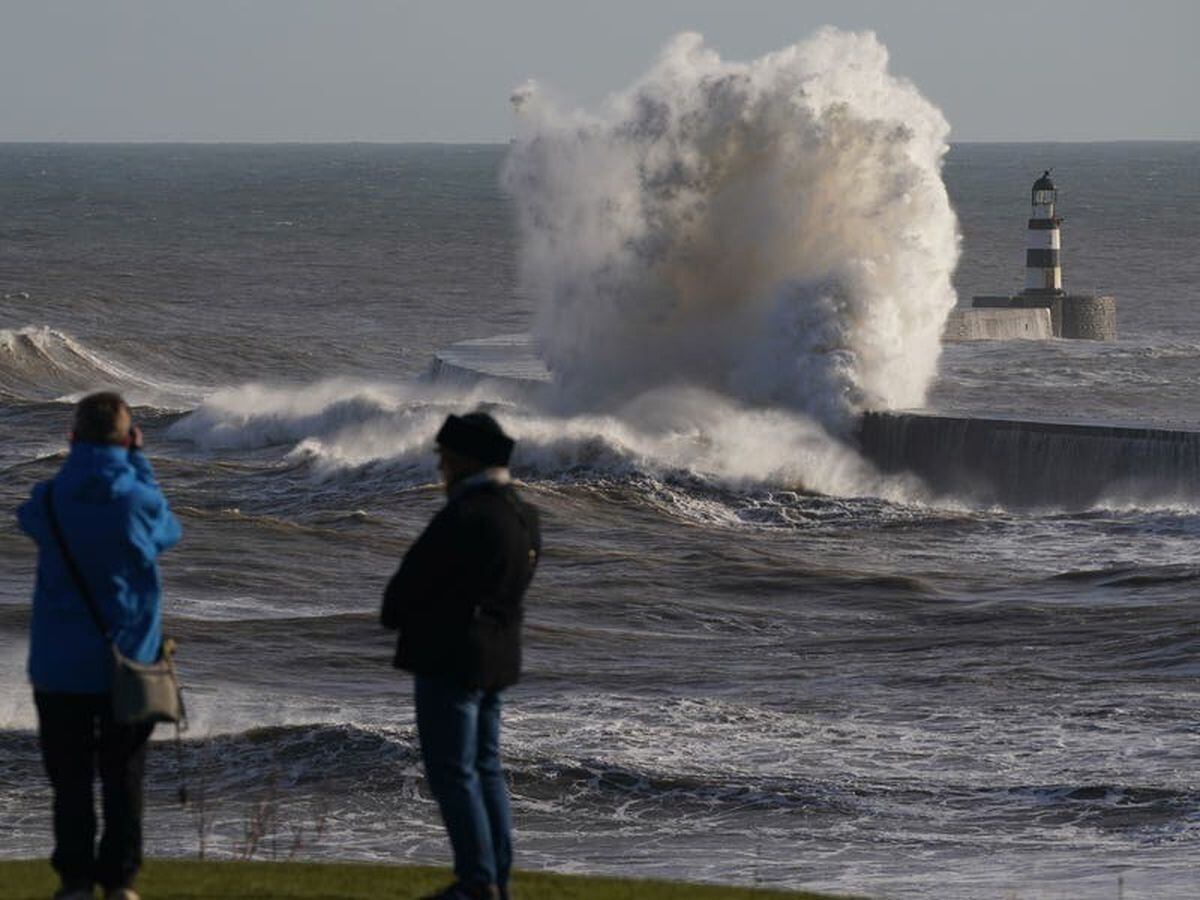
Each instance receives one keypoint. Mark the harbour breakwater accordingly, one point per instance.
(1011, 462)
(510, 359)
(1029, 463)
(998, 325)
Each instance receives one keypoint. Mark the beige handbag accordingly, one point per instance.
(146, 692)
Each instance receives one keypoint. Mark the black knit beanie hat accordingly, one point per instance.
(478, 436)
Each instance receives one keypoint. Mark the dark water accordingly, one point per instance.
(730, 678)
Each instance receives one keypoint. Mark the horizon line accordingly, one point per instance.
(495, 143)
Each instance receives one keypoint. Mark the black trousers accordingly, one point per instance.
(77, 734)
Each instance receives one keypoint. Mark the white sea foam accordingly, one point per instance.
(777, 231)
(344, 422)
(342, 425)
(16, 704)
(251, 416)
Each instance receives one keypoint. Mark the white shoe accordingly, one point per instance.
(121, 894)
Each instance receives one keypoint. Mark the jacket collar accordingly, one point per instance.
(496, 476)
(95, 456)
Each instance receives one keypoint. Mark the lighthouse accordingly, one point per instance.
(1043, 270)
(1043, 309)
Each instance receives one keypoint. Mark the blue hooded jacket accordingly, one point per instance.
(116, 522)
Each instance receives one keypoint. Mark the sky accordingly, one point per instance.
(443, 70)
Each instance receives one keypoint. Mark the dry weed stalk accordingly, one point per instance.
(203, 811)
(260, 822)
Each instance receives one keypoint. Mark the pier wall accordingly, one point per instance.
(509, 359)
(1072, 316)
(998, 325)
(1036, 464)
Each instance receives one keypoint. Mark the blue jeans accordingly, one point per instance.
(459, 730)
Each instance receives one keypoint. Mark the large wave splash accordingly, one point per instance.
(344, 426)
(777, 231)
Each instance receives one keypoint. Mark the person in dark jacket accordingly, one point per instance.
(115, 522)
(457, 603)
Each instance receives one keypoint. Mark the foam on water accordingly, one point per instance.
(777, 231)
(341, 426)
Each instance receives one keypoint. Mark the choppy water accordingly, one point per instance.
(730, 677)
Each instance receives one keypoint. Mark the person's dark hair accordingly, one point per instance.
(98, 418)
(476, 436)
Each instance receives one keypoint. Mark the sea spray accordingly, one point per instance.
(730, 260)
(776, 231)
(349, 427)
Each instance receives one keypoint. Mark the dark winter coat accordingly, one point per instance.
(457, 596)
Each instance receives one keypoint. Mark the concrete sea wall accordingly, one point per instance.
(998, 325)
(1072, 316)
(1036, 464)
(506, 358)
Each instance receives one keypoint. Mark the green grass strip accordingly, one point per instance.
(194, 880)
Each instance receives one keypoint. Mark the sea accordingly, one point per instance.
(734, 672)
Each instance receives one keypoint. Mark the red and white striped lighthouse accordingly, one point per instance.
(1043, 272)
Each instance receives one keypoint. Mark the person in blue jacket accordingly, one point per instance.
(115, 521)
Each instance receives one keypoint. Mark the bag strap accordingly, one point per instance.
(72, 567)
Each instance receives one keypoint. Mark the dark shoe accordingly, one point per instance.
(462, 891)
(74, 891)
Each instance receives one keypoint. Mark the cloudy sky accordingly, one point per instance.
(442, 70)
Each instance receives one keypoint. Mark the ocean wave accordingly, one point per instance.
(344, 759)
(40, 364)
(255, 416)
(387, 759)
(1133, 575)
(1163, 505)
(352, 429)
(330, 791)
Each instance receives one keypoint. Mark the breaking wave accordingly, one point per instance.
(341, 426)
(42, 364)
(776, 231)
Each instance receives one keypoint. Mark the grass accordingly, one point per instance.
(192, 880)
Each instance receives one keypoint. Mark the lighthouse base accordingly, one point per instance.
(1073, 316)
(997, 325)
